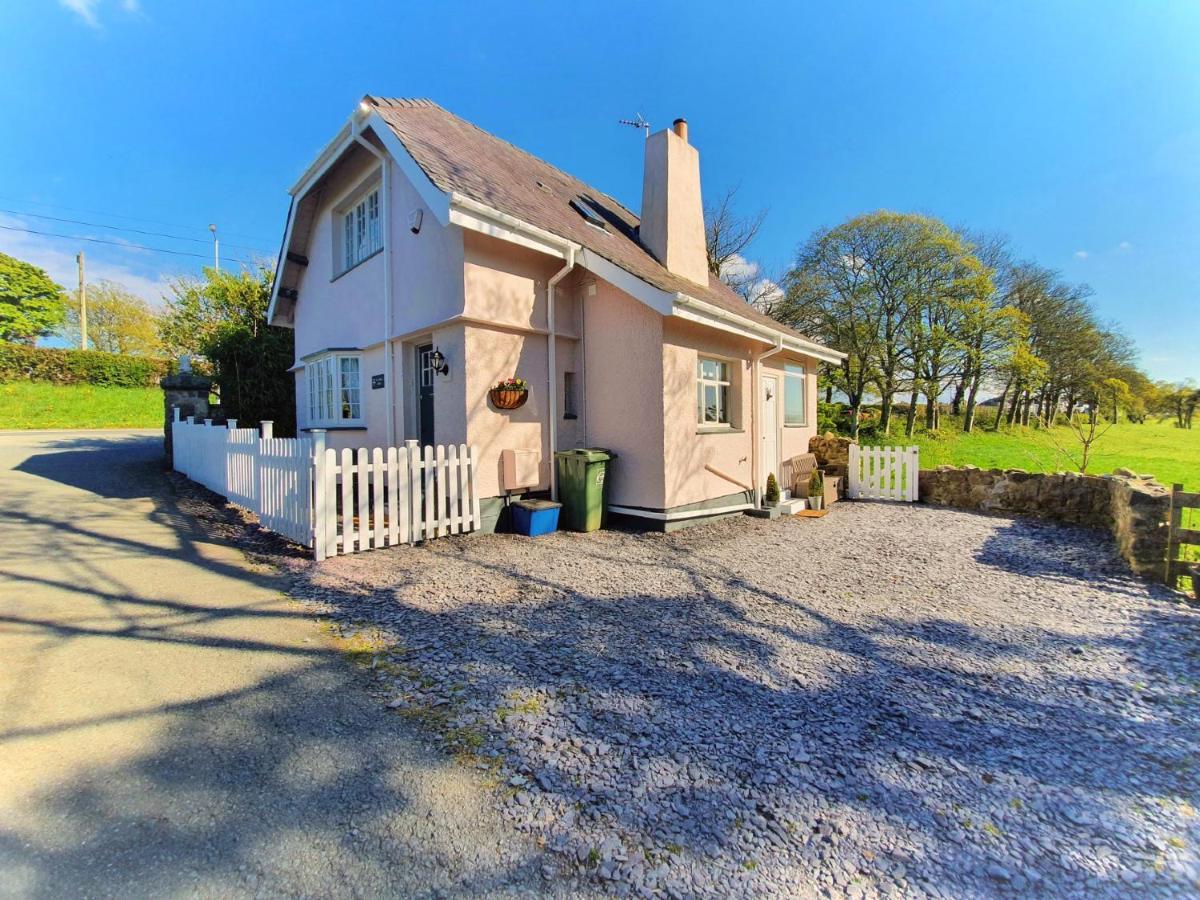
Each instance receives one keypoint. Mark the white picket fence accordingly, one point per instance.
(332, 502)
(883, 473)
(397, 496)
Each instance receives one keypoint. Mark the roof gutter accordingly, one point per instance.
(799, 345)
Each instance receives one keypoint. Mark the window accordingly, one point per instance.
(334, 389)
(712, 392)
(362, 231)
(569, 396)
(795, 409)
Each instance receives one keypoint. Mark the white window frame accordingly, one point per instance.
(800, 373)
(722, 385)
(335, 389)
(358, 227)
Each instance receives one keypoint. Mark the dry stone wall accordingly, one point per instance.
(1133, 508)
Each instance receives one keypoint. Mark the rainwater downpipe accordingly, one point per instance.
(756, 415)
(386, 212)
(551, 366)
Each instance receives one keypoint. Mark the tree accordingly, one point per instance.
(886, 288)
(199, 308)
(31, 304)
(828, 296)
(223, 317)
(728, 235)
(118, 321)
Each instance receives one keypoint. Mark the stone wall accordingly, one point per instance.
(1131, 507)
(831, 451)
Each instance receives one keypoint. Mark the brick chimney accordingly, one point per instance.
(672, 213)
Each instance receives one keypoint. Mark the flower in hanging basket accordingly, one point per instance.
(511, 393)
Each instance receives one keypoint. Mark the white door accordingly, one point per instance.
(770, 427)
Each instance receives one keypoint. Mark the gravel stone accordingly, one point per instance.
(892, 700)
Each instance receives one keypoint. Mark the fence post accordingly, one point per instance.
(267, 429)
(1174, 524)
(177, 414)
(231, 424)
(317, 486)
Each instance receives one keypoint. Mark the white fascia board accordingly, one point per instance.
(326, 158)
(280, 263)
(434, 197)
(473, 222)
(714, 316)
(508, 227)
(660, 301)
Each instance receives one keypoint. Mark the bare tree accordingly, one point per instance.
(728, 234)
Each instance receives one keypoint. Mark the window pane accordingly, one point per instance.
(723, 401)
(568, 393)
(793, 399)
(723, 371)
(711, 404)
(709, 369)
(348, 407)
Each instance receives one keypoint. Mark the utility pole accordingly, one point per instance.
(216, 248)
(82, 304)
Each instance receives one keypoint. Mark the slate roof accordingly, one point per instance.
(458, 156)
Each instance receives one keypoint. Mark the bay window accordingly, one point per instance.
(334, 389)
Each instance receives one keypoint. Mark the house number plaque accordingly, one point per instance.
(376, 382)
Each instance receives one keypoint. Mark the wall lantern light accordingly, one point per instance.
(437, 362)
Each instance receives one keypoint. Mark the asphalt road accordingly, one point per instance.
(171, 724)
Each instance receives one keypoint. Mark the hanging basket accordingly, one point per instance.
(507, 399)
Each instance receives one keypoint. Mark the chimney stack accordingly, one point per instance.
(672, 212)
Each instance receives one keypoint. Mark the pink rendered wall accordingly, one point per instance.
(348, 310)
(623, 372)
(506, 287)
(688, 448)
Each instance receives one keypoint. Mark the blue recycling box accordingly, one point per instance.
(534, 517)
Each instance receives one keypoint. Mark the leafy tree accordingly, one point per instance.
(828, 296)
(223, 317)
(118, 321)
(200, 308)
(31, 304)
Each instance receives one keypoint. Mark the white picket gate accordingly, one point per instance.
(883, 473)
(398, 496)
(334, 502)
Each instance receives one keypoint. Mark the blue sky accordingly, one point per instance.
(1074, 128)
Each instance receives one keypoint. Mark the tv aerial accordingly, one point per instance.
(637, 121)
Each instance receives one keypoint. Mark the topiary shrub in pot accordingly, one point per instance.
(816, 490)
(771, 497)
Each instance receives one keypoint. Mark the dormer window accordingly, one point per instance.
(360, 229)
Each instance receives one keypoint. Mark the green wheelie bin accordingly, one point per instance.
(583, 487)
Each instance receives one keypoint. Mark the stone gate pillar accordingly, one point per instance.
(188, 391)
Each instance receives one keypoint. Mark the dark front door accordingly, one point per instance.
(424, 381)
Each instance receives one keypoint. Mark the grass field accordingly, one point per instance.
(1168, 453)
(31, 404)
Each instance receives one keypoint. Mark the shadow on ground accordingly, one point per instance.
(296, 783)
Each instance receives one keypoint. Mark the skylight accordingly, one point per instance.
(582, 206)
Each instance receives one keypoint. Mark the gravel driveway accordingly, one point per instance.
(892, 698)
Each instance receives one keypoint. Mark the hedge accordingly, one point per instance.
(21, 363)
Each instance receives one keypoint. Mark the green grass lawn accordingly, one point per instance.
(32, 404)
(1168, 453)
